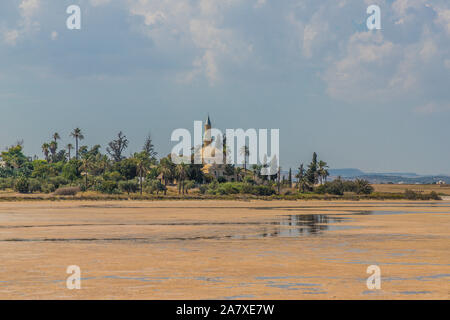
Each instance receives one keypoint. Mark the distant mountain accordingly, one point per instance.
(391, 177)
(376, 177)
(396, 174)
(346, 173)
(405, 180)
(352, 172)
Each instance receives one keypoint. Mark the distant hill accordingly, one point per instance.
(346, 173)
(391, 177)
(376, 177)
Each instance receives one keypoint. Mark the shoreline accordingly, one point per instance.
(395, 197)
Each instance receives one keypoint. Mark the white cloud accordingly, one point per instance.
(431, 108)
(443, 19)
(429, 50)
(29, 7)
(364, 71)
(260, 4)
(383, 66)
(447, 63)
(10, 37)
(26, 25)
(314, 34)
(206, 65)
(401, 7)
(28, 11)
(194, 26)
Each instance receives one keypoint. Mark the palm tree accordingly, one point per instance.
(45, 149)
(245, 152)
(56, 136)
(53, 146)
(166, 170)
(142, 163)
(78, 135)
(103, 162)
(69, 147)
(322, 171)
(181, 170)
(300, 175)
(303, 184)
(238, 171)
(86, 164)
(256, 168)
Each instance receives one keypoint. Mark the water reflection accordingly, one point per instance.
(282, 226)
(301, 225)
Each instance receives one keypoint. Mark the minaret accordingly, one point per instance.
(207, 136)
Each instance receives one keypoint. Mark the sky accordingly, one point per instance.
(378, 100)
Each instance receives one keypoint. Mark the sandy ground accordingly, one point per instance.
(225, 249)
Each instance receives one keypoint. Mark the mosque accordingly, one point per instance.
(213, 154)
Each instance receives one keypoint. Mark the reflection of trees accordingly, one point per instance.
(306, 224)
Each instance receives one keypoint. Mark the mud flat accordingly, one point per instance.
(225, 249)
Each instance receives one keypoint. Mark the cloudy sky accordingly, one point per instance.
(375, 100)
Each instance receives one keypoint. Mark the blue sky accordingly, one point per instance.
(375, 100)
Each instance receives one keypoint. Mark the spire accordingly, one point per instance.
(207, 137)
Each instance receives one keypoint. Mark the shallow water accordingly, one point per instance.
(225, 249)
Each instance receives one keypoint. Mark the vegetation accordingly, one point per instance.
(68, 191)
(141, 175)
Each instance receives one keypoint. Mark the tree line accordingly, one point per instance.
(80, 167)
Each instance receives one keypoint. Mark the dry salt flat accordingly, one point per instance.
(225, 249)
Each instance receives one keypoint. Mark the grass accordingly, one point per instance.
(419, 188)
(195, 195)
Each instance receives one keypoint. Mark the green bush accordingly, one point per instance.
(247, 188)
(67, 191)
(107, 186)
(411, 195)
(113, 176)
(34, 185)
(188, 185)
(335, 187)
(130, 186)
(363, 187)
(350, 186)
(435, 196)
(228, 188)
(70, 170)
(338, 187)
(126, 168)
(58, 181)
(6, 183)
(249, 180)
(263, 190)
(154, 186)
(221, 179)
(21, 185)
(48, 188)
(203, 189)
